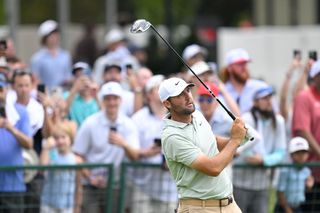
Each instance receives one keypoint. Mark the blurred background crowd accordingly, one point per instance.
(99, 103)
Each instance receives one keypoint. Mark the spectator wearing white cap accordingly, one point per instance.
(117, 53)
(192, 54)
(82, 100)
(51, 64)
(306, 123)
(251, 186)
(154, 185)
(294, 181)
(107, 136)
(237, 79)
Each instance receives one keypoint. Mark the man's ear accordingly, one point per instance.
(167, 104)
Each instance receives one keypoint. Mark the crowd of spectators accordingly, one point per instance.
(87, 108)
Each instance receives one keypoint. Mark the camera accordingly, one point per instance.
(313, 55)
(157, 141)
(113, 128)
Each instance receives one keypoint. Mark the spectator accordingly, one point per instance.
(191, 55)
(107, 136)
(118, 53)
(137, 81)
(237, 79)
(55, 109)
(156, 191)
(21, 93)
(82, 100)
(251, 185)
(112, 72)
(15, 134)
(51, 64)
(306, 124)
(286, 96)
(293, 181)
(60, 187)
(86, 48)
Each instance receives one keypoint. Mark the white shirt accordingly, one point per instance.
(149, 129)
(92, 140)
(34, 108)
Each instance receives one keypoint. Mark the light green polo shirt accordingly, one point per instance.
(182, 143)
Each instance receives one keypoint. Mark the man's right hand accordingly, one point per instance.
(238, 130)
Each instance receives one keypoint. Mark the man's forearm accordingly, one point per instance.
(24, 140)
(315, 147)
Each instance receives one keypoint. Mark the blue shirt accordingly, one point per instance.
(11, 153)
(292, 183)
(51, 70)
(60, 185)
(245, 98)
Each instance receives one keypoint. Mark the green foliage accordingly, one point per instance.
(36, 11)
(2, 13)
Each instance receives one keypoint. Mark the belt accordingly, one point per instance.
(207, 203)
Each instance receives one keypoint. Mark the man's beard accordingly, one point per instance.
(241, 78)
(265, 113)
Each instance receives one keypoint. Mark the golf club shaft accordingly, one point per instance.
(181, 59)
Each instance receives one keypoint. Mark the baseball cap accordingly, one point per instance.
(298, 144)
(238, 55)
(315, 69)
(114, 35)
(192, 50)
(110, 88)
(203, 91)
(263, 92)
(109, 66)
(81, 65)
(201, 67)
(153, 82)
(172, 87)
(47, 27)
(3, 62)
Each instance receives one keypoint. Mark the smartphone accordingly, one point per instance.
(313, 55)
(113, 128)
(3, 113)
(41, 88)
(157, 141)
(297, 54)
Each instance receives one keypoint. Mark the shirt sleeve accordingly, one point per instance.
(23, 124)
(282, 184)
(179, 149)
(83, 139)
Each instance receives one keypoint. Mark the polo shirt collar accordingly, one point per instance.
(173, 123)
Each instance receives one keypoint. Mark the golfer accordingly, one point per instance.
(196, 158)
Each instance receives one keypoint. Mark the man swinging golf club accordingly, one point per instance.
(196, 158)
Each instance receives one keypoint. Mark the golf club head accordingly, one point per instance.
(140, 26)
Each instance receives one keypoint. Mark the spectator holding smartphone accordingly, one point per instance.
(95, 143)
(15, 134)
(82, 100)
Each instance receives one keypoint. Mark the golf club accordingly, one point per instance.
(142, 25)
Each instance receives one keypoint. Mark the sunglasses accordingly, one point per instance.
(207, 99)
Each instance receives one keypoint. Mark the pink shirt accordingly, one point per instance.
(306, 114)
